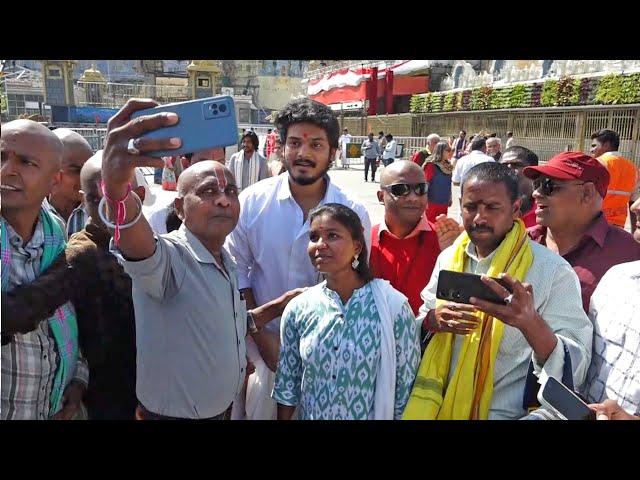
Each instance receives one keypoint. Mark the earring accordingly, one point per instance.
(355, 262)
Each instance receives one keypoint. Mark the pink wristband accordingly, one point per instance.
(121, 211)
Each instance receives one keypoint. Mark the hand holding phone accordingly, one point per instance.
(456, 318)
(203, 124)
(564, 402)
(118, 161)
(458, 315)
(460, 287)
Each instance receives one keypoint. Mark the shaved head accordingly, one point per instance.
(31, 160)
(65, 195)
(90, 179)
(75, 146)
(207, 201)
(91, 173)
(400, 168)
(196, 172)
(34, 132)
(402, 213)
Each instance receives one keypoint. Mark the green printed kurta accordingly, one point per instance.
(330, 355)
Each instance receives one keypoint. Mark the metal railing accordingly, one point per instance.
(410, 145)
(95, 136)
(546, 131)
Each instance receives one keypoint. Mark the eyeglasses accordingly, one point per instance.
(548, 187)
(404, 189)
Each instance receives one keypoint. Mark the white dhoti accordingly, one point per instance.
(255, 402)
(345, 160)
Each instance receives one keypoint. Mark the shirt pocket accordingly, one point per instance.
(241, 314)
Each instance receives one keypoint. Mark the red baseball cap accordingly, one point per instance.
(573, 166)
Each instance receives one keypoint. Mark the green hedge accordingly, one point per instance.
(609, 90)
(618, 89)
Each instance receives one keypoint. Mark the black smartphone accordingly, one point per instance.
(565, 402)
(460, 287)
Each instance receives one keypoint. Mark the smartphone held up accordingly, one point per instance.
(202, 124)
(460, 287)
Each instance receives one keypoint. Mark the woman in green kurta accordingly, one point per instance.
(350, 345)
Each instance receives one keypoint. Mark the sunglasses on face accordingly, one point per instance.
(404, 189)
(548, 187)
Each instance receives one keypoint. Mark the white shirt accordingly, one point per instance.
(466, 163)
(389, 150)
(510, 143)
(615, 370)
(557, 298)
(270, 241)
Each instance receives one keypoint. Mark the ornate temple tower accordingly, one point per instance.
(95, 85)
(204, 78)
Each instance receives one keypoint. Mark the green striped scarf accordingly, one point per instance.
(63, 323)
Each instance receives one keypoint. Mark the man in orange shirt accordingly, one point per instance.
(623, 186)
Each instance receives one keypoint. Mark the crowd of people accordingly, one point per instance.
(264, 292)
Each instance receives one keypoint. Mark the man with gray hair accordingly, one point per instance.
(421, 155)
(494, 148)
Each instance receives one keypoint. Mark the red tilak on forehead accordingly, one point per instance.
(222, 180)
(305, 135)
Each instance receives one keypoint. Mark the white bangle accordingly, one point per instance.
(109, 224)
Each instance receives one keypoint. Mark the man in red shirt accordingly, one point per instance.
(517, 158)
(405, 246)
(569, 190)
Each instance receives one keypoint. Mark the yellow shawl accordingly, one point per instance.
(468, 393)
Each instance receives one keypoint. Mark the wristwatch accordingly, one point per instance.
(251, 323)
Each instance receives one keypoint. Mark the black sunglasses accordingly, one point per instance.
(548, 187)
(404, 189)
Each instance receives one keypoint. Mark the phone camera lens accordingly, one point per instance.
(223, 108)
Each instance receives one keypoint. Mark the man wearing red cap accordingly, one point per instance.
(569, 191)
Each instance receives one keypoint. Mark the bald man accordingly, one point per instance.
(65, 199)
(166, 220)
(100, 291)
(405, 245)
(188, 159)
(191, 321)
(43, 375)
